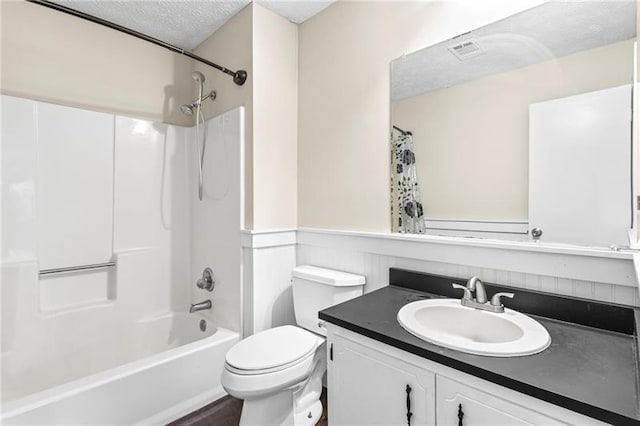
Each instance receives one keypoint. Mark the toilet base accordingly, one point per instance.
(310, 416)
(278, 410)
(298, 405)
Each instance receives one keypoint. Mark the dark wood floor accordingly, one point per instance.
(226, 412)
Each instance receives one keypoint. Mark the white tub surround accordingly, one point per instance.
(216, 220)
(74, 198)
(83, 187)
(132, 201)
(268, 259)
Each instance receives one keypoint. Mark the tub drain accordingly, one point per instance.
(203, 325)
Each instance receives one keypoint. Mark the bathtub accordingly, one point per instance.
(182, 375)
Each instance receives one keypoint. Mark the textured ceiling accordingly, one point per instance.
(296, 11)
(552, 30)
(186, 23)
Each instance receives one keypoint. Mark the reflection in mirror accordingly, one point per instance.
(521, 124)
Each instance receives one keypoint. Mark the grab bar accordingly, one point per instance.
(76, 268)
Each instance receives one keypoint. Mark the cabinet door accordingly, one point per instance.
(459, 404)
(367, 387)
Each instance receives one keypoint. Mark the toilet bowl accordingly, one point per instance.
(285, 384)
(278, 372)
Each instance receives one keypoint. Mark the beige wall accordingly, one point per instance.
(266, 45)
(480, 170)
(54, 57)
(232, 45)
(345, 51)
(275, 127)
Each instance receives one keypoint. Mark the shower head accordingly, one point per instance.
(187, 109)
(198, 77)
(190, 109)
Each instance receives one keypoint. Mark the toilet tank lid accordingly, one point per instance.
(327, 276)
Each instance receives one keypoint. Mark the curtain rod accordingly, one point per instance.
(239, 77)
(402, 131)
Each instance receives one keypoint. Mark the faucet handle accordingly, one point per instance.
(467, 293)
(495, 299)
(207, 282)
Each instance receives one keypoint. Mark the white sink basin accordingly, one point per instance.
(445, 322)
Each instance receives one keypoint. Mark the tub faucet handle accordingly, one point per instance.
(207, 282)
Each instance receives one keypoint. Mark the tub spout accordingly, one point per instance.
(195, 307)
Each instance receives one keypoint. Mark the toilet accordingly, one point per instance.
(278, 372)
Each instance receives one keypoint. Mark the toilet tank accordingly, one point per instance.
(315, 289)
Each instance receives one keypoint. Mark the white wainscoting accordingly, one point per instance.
(268, 259)
(603, 275)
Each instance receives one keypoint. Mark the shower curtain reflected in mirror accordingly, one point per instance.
(405, 188)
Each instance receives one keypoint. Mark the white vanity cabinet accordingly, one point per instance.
(368, 383)
(457, 403)
(372, 388)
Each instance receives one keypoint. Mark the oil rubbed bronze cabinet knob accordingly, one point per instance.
(409, 413)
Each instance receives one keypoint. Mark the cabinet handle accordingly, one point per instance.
(460, 415)
(409, 413)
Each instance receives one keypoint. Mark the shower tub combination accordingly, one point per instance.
(100, 335)
(117, 346)
(182, 375)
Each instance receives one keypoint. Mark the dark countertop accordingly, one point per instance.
(587, 370)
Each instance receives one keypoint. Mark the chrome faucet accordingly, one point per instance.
(195, 307)
(474, 284)
(480, 300)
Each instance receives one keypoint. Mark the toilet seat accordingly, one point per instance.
(254, 382)
(245, 386)
(272, 350)
(269, 370)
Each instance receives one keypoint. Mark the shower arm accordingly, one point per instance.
(404, 132)
(211, 95)
(239, 77)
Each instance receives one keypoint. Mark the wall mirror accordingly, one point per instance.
(521, 129)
